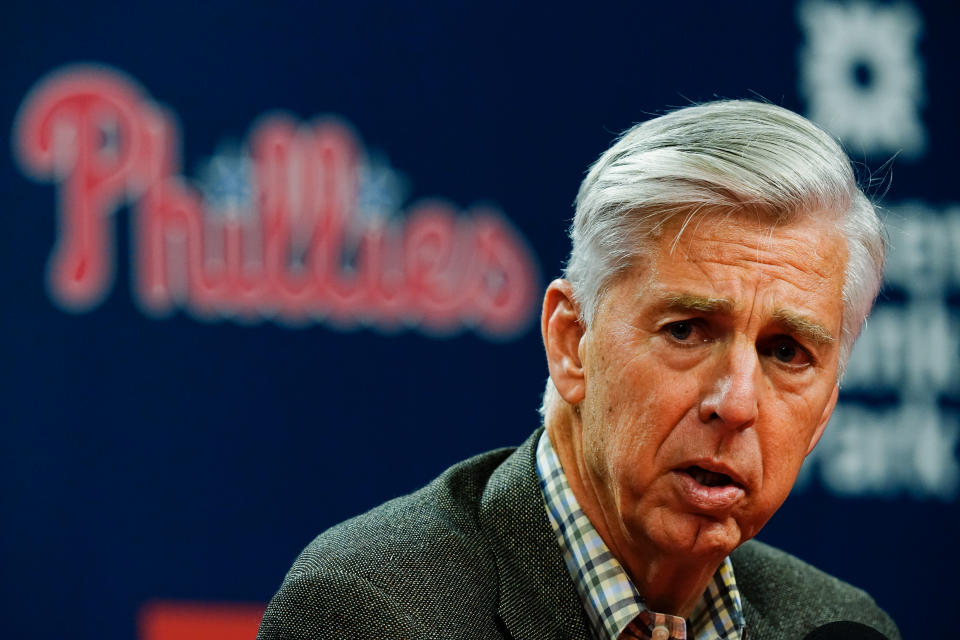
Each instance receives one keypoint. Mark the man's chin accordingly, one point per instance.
(697, 536)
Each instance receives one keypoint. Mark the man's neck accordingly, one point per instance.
(668, 585)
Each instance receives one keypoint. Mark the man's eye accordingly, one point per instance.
(785, 352)
(681, 330)
(789, 352)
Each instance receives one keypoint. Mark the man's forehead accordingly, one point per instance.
(772, 242)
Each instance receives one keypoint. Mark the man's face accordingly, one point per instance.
(710, 372)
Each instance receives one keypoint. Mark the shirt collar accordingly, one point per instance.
(609, 597)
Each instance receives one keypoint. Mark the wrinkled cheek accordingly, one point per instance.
(632, 506)
(782, 470)
(635, 482)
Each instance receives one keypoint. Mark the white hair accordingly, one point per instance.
(721, 157)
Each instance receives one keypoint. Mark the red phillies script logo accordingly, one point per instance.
(298, 224)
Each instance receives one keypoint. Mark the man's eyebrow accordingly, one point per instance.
(792, 321)
(804, 327)
(700, 304)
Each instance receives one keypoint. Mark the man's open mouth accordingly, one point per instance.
(709, 478)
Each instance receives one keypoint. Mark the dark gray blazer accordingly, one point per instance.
(472, 555)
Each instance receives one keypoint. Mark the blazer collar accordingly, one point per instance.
(537, 598)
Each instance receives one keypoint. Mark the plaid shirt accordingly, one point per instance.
(614, 607)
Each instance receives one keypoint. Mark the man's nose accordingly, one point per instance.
(731, 395)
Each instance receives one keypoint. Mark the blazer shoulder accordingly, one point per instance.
(424, 553)
(782, 591)
(330, 603)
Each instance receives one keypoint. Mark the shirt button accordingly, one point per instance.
(660, 633)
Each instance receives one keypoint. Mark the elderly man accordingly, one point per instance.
(723, 263)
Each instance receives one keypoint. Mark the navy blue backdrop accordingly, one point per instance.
(188, 454)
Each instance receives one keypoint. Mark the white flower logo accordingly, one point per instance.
(861, 75)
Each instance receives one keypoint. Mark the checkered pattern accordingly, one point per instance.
(614, 607)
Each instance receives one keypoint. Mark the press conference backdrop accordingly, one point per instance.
(267, 265)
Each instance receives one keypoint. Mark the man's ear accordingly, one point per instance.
(562, 331)
(825, 418)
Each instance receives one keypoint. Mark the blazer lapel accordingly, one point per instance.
(537, 597)
(748, 570)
